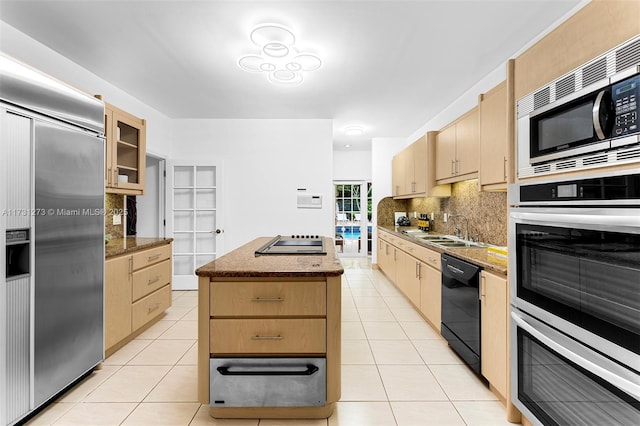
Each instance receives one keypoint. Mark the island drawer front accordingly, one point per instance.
(430, 257)
(251, 299)
(261, 336)
(148, 280)
(147, 308)
(151, 256)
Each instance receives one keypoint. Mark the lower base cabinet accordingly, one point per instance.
(493, 330)
(431, 295)
(137, 291)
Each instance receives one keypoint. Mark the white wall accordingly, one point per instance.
(264, 163)
(352, 165)
(382, 151)
(148, 223)
(23, 48)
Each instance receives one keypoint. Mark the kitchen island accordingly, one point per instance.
(269, 330)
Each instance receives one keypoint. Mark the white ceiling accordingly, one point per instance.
(388, 66)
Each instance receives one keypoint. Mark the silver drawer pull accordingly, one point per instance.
(154, 257)
(267, 299)
(153, 280)
(257, 337)
(153, 308)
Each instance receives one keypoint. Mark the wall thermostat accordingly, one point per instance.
(309, 201)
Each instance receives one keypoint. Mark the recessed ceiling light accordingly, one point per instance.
(347, 146)
(278, 58)
(353, 131)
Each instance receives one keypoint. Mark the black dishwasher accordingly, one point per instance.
(461, 308)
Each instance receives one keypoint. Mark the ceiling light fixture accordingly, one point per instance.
(278, 58)
(353, 131)
(347, 146)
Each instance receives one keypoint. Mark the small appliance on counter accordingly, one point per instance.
(423, 222)
(403, 221)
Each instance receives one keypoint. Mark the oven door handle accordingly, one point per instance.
(610, 220)
(309, 370)
(597, 105)
(609, 371)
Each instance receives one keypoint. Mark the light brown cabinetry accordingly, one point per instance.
(497, 135)
(431, 290)
(117, 300)
(125, 155)
(493, 138)
(270, 317)
(137, 291)
(408, 276)
(250, 336)
(591, 31)
(402, 174)
(415, 270)
(387, 255)
(457, 149)
(493, 333)
(413, 173)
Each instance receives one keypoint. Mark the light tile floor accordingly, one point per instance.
(396, 370)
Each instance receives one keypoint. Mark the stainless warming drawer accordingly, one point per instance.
(268, 382)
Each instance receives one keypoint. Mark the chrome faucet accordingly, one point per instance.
(457, 229)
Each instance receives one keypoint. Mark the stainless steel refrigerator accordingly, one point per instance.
(52, 227)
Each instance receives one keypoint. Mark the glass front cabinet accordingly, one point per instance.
(125, 152)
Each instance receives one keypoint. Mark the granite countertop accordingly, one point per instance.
(118, 246)
(476, 255)
(242, 262)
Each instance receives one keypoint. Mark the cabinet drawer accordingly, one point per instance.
(305, 298)
(262, 336)
(425, 255)
(151, 256)
(148, 280)
(149, 307)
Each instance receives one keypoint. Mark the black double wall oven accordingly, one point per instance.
(575, 296)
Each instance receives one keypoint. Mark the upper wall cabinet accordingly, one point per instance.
(413, 171)
(125, 159)
(496, 138)
(457, 149)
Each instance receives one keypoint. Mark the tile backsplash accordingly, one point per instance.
(486, 212)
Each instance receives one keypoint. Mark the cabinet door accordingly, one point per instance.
(130, 145)
(445, 152)
(431, 295)
(402, 173)
(494, 312)
(467, 144)
(397, 175)
(117, 300)
(493, 136)
(413, 271)
(392, 263)
(420, 158)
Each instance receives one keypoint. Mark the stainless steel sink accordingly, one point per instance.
(434, 238)
(453, 244)
(447, 241)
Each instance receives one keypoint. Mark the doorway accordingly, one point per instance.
(150, 208)
(353, 218)
(194, 188)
